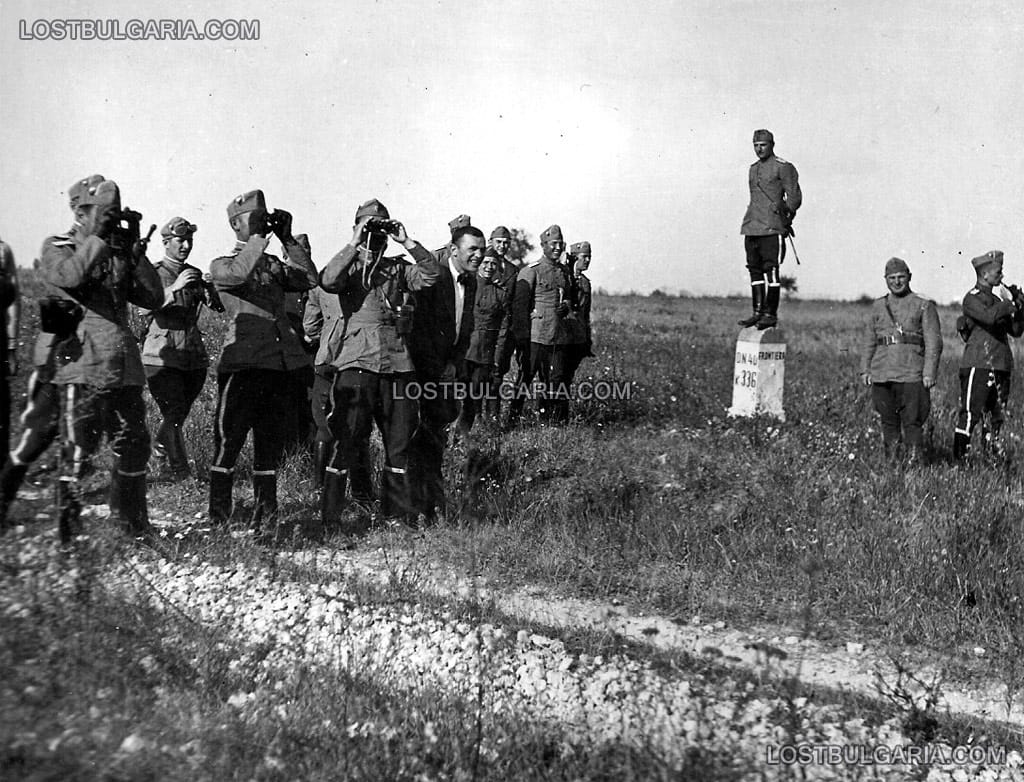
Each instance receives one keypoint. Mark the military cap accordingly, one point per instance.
(501, 232)
(490, 252)
(372, 208)
(896, 266)
(462, 221)
(552, 233)
(992, 256)
(764, 135)
(178, 226)
(580, 248)
(79, 187)
(247, 202)
(105, 193)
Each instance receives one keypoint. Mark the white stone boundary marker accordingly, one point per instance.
(759, 373)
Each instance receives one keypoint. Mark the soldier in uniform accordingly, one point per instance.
(539, 305)
(900, 351)
(300, 414)
(442, 327)
(322, 329)
(373, 367)
(501, 242)
(101, 267)
(578, 321)
(260, 349)
(492, 319)
(987, 323)
(774, 198)
(173, 354)
(10, 316)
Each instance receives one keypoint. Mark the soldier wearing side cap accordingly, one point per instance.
(580, 340)
(10, 318)
(501, 242)
(987, 323)
(539, 306)
(373, 367)
(900, 350)
(99, 267)
(462, 221)
(774, 198)
(260, 348)
(173, 353)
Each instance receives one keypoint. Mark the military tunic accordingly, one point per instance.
(492, 319)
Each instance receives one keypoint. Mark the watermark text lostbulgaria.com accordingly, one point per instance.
(139, 30)
(807, 754)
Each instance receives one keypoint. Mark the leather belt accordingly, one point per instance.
(905, 339)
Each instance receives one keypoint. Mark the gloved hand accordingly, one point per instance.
(282, 224)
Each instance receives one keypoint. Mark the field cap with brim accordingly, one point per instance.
(992, 256)
(501, 232)
(247, 202)
(79, 187)
(580, 248)
(372, 208)
(896, 266)
(105, 193)
(764, 135)
(553, 233)
(490, 252)
(462, 221)
(178, 226)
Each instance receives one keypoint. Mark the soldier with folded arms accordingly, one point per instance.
(900, 351)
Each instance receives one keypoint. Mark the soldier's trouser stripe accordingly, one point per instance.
(264, 472)
(396, 470)
(69, 420)
(773, 277)
(225, 470)
(223, 405)
(131, 474)
(969, 426)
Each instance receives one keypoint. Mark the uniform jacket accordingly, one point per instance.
(492, 317)
(433, 342)
(540, 287)
(370, 307)
(173, 338)
(323, 325)
(773, 182)
(85, 269)
(253, 285)
(905, 347)
(993, 320)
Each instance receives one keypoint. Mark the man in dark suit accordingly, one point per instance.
(442, 328)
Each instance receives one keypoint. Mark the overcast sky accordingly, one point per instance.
(629, 124)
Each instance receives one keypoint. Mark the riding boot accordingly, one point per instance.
(133, 512)
(757, 297)
(177, 453)
(10, 481)
(332, 498)
(264, 495)
(220, 495)
(770, 317)
(321, 456)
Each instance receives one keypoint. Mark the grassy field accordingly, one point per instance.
(659, 500)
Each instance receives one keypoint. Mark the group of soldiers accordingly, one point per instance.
(901, 343)
(900, 351)
(419, 348)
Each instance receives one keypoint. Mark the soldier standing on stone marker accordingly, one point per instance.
(987, 323)
(260, 349)
(774, 198)
(173, 354)
(900, 351)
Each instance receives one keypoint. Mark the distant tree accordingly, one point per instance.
(519, 247)
(788, 284)
(658, 293)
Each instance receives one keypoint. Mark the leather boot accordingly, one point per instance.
(332, 498)
(220, 496)
(961, 445)
(395, 496)
(11, 478)
(770, 317)
(264, 497)
(161, 442)
(361, 480)
(321, 456)
(177, 453)
(757, 299)
(134, 512)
